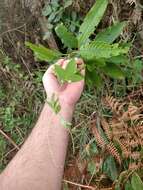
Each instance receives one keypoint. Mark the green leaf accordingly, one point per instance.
(120, 59)
(136, 182)
(43, 53)
(109, 167)
(67, 3)
(76, 78)
(97, 50)
(91, 21)
(69, 74)
(113, 71)
(91, 168)
(67, 37)
(46, 10)
(93, 79)
(71, 67)
(110, 34)
(128, 186)
(60, 73)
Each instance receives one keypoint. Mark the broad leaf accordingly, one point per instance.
(113, 71)
(109, 167)
(42, 53)
(97, 50)
(128, 186)
(93, 79)
(136, 182)
(110, 34)
(91, 21)
(93, 64)
(66, 37)
(120, 59)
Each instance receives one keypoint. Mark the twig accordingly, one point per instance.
(9, 139)
(80, 185)
(13, 29)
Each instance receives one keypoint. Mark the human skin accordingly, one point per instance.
(40, 162)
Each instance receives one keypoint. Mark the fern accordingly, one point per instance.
(110, 34)
(99, 55)
(91, 21)
(42, 53)
(96, 50)
(68, 39)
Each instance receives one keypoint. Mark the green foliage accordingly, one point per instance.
(128, 186)
(20, 102)
(113, 71)
(137, 68)
(96, 50)
(42, 53)
(109, 167)
(136, 182)
(68, 39)
(110, 34)
(91, 21)
(69, 74)
(56, 11)
(100, 55)
(54, 104)
(91, 168)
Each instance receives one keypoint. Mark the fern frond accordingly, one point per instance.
(125, 150)
(110, 34)
(106, 128)
(134, 143)
(101, 50)
(139, 132)
(134, 166)
(114, 152)
(68, 38)
(98, 138)
(133, 113)
(136, 156)
(91, 21)
(115, 105)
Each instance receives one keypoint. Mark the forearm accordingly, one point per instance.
(42, 157)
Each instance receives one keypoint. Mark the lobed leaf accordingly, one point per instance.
(43, 53)
(69, 74)
(68, 39)
(91, 21)
(110, 34)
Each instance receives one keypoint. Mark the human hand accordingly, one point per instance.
(68, 93)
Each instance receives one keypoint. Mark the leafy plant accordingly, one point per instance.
(69, 74)
(96, 53)
(56, 11)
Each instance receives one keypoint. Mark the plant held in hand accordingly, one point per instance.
(98, 54)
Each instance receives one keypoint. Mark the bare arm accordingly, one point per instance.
(40, 162)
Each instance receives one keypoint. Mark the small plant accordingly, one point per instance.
(56, 11)
(97, 53)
